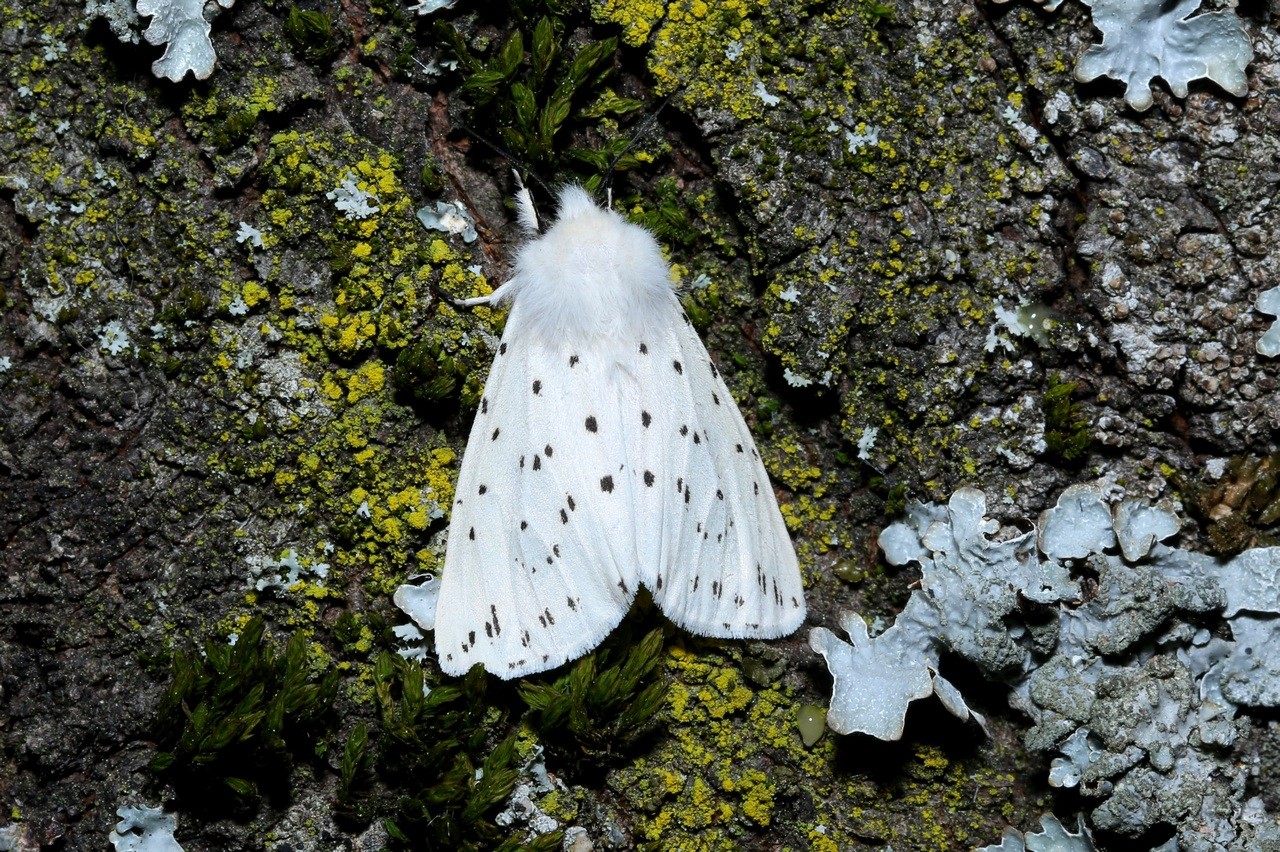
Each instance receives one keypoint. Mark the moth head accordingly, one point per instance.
(592, 273)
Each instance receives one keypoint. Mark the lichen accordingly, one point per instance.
(1141, 704)
(143, 829)
(1269, 303)
(180, 26)
(1053, 835)
(1141, 41)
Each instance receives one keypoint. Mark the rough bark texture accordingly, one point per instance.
(183, 414)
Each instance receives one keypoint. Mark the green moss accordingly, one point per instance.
(239, 715)
(536, 88)
(436, 753)
(664, 210)
(311, 34)
(603, 703)
(427, 373)
(1068, 433)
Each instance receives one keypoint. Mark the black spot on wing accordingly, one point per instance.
(606, 484)
(564, 516)
(569, 499)
(645, 419)
(591, 424)
(573, 360)
(547, 450)
(696, 439)
(502, 349)
(537, 462)
(679, 368)
(496, 432)
(648, 478)
(472, 535)
(483, 489)
(484, 405)
(537, 387)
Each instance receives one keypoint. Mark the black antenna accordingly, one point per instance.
(509, 157)
(645, 125)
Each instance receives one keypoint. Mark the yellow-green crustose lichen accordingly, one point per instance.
(733, 771)
(296, 336)
(822, 102)
(339, 447)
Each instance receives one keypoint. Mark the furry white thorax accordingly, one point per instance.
(593, 274)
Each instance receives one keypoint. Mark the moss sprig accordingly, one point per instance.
(534, 88)
(1068, 433)
(311, 34)
(664, 210)
(437, 743)
(429, 374)
(604, 702)
(241, 714)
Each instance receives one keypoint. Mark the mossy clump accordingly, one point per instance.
(1068, 434)
(239, 715)
(665, 212)
(427, 373)
(534, 89)
(604, 702)
(436, 753)
(311, 34)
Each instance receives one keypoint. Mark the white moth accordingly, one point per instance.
(607, 453)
